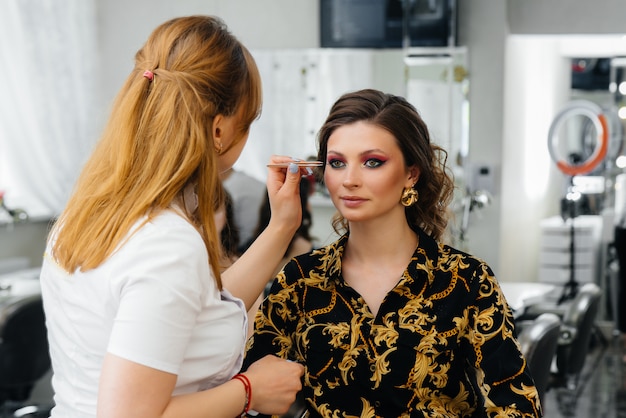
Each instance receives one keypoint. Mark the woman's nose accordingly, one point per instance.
(351, 177)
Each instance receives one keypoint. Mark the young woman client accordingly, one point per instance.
(388, 320)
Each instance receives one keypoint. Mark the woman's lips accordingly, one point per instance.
(352, 201)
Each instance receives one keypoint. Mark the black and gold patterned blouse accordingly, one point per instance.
(441, 344)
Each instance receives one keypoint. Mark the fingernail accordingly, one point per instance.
(293, 168)
(309, 171)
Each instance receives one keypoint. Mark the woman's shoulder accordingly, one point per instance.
(471, 268)
(167, 223)
(163, 250)
(167, 234)
(448, 258)
(315, 264)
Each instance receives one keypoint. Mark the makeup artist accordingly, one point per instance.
(140, 321)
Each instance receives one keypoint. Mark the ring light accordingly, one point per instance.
(594, 113)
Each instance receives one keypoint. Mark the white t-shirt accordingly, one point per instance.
(154, 302)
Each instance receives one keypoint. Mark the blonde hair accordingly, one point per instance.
(159, 140)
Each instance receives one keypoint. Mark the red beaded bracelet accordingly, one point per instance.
(246, 383)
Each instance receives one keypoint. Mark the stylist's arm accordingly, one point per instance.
(274, 382)
(247, 277)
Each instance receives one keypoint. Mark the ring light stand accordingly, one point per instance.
(599, 120)
(593, 112)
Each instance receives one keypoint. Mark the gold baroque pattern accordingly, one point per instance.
(441, 344)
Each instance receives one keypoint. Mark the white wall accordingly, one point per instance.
(537, 85)
(483, 28)
(558, 17)
(125, 25)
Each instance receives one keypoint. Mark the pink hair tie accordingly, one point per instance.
(149, 75)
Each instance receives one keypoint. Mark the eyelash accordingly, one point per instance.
(377, 162)
(337, 163)
(334, 163)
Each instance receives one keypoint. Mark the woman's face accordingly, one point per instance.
(365, 172)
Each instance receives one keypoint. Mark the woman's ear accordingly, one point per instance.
(414, 174)
(217, 129)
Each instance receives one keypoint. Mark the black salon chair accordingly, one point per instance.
(576, 338)
(24, 357)
(576, 334)
(538, 339)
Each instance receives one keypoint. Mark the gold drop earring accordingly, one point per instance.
(409, 196)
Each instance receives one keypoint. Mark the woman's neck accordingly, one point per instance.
(368, 242)
(375, 258)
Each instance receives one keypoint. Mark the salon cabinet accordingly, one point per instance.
(555, 257)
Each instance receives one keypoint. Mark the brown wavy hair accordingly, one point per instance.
(396, 115)
(159, 140)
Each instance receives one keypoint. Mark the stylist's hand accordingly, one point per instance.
(283, 187)
(275, 383)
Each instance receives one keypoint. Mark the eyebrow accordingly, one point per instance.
(366, 152)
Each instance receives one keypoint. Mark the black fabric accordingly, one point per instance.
(440, 345)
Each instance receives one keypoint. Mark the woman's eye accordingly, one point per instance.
(373, 163)
(336, 163)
